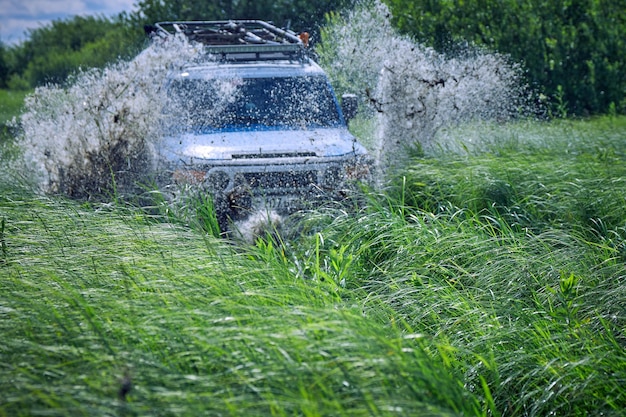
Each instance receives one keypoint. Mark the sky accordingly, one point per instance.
(16, 16)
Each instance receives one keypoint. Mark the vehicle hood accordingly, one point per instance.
(228, 145)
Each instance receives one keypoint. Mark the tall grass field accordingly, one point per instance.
(488, 278)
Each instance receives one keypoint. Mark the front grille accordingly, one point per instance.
(273, 155)
(290, 179)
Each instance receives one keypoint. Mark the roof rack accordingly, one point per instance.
(239, 40)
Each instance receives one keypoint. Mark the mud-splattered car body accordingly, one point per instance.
(265, 132)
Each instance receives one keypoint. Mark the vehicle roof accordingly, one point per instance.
(258, 69)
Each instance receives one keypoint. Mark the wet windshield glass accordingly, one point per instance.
(298, 102)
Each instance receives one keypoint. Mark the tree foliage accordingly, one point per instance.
(4, 67)
(298, 15)
(53, 52)
(574, 50)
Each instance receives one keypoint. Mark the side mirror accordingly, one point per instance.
(349, 106)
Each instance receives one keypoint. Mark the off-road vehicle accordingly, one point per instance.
(256, 124)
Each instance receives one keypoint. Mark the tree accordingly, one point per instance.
(298, 15)
(4, 68)
(53, 52)
(573, 50)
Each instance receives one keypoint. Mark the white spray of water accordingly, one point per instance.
(259, 224)
(414, 104)
(104, 124)
(415, 91)
(77, 139)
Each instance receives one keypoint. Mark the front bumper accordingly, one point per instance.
(240, 187)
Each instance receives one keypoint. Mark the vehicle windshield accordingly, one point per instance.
(280, 102)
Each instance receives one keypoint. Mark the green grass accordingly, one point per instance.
(11, 103)
(437, 297)
(201, 327)
(566, 175)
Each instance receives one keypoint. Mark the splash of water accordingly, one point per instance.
(103, 127)
(99, 132)
(415, 91)
(259, 224)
